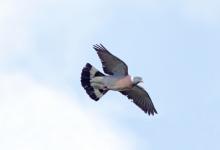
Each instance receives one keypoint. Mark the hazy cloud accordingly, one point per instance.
(35, 116)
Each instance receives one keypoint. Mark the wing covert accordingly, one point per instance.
(141, 98)
(111, 64)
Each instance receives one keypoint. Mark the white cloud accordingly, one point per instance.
(13, 30)
(35, 116)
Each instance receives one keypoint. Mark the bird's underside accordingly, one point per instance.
(97, 84)
(115, 83)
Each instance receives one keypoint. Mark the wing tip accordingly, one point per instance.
(152, 112)
(99, 47)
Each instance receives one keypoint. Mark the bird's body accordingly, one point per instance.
(123, 83)
(97, 84)
(115, 83)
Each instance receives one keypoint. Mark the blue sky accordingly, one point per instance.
(173, 45)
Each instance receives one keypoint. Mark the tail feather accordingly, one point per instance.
(89, 72)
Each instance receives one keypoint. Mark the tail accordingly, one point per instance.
(87, 74)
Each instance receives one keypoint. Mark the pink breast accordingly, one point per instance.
(124, 82)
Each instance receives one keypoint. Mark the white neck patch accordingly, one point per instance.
(132, 79)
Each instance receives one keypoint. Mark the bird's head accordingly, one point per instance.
(136, 80)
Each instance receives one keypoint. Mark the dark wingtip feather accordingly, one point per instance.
(152, 111)
(99, 47)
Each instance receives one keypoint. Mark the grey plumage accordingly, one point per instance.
(97, 84)
(141, 98)
(111, 64)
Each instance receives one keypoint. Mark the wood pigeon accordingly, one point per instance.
(97, 84)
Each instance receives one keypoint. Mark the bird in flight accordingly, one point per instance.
(97, 84)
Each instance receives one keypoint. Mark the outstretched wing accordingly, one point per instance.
(110, 63)
(141, 99)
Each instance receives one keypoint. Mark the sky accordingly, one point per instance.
(173, 45)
